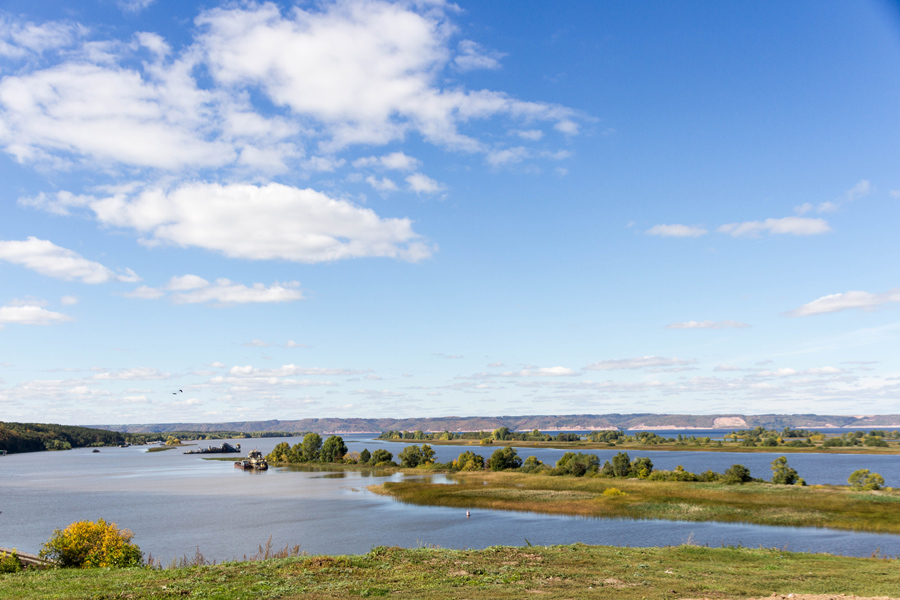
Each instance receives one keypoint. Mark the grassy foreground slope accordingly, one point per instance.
(576, 571)
(837, 507)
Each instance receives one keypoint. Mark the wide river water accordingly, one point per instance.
(176, 503)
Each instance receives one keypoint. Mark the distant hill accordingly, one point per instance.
(521, 423)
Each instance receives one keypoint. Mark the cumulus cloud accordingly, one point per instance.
(422, 184)
(862, 189)
(47, 258)
(783, 226)
(643, 362)
(257, 222)
(29, 314)
(707, 325)
(382, 185)
(867, 301)
(677, 230)
(371, 74)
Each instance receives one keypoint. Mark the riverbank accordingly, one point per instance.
(836, 507)
(498, 573)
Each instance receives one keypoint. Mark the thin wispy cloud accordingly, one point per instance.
(866, 301)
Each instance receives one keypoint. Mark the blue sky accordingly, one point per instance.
(366, 208)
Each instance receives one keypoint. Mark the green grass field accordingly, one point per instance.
(496, 573)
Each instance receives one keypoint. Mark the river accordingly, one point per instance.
(175, 504)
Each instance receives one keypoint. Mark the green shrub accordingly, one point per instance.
(9, 562)
(863, 480)
(613, 492)
(87, 544)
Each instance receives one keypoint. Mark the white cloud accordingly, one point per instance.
(542, 372)
(273, 221)
(135, 5)
(68, 300)
(643, 362)
(507, 156)
(368, 74)
(422, 184)
(137, 373)
(529, 134)
(382, 185)
(289, 371)
(677, 230)
(895, 193)
(862, 189)
(47, 258)
(706, 325)
(30, 314)
(371, 74)
(786, 225)
(854, 299)
(473, 56)
(18, 40)
(223, 291)
(191, 289)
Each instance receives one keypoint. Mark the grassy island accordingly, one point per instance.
(496, 573)
(836, 507)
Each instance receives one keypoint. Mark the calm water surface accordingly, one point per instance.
(175, 503)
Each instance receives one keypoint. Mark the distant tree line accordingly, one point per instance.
(34, 437)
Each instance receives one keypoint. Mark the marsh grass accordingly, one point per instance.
(759, 503)
(497, 573)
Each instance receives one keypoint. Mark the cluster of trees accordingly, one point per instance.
(649, 438)
(577, 464)
(875, 438)
(33, 437)
(311, 449)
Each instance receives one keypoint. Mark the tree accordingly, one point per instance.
(280, 454)
(411, 457)
(577, 464)
(621, 465)
(863, 480)
(505, 458)
(642, 467)
(501, 434)
(469, 461)
(427, 454)
(88, 544)
(311, 447)
(532, 464)
(364, 456)
(736, 474)
(782, 473)
(381, 456)
(334, 449)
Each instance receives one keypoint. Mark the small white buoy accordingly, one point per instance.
(467, 514)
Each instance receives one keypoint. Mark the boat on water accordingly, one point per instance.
(255, 461)
(95, 450)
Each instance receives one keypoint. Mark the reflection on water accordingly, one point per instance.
(175, 503)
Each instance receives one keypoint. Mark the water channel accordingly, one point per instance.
(176, 503)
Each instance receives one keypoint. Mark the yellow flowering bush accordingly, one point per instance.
(88, 544)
